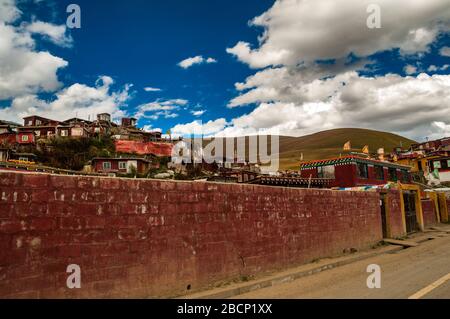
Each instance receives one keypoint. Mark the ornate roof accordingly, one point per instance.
(349, 160)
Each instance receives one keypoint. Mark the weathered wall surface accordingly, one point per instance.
(394, 214)
(429, 213)
(141, 238)
(448, 205)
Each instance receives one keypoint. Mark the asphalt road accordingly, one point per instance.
(423, 272)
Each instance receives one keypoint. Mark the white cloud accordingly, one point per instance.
(187, 63)
(297, 95)
(198, 127)
(158, 108)
(405, 105)
(198, 113)
(151, 89)
(28, 71)
(434, 68)
(149, 128)
(445, 51)
(24, 70)
(54, 33)
(410, 69)
(439, 129)
(293, 84)
(76, 100)
(8, 11)
(309, 30)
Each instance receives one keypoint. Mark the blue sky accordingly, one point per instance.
(264, 74)
(142, 42)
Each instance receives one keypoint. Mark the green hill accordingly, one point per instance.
(330, 143)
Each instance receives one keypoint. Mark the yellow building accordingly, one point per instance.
(418, 162)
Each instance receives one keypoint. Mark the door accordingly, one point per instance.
(409, 199)
(419, 163)
(383, 215)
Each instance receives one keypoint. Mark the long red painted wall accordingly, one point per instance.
(146, 238)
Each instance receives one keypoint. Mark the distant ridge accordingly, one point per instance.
(327, 144)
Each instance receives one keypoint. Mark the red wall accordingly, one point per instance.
(429, 212)
(347, 176)
(141, 238)
(31, 138)
(395, 214)
(8, 138)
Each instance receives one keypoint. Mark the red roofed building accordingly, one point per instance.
(353, 171)
(40, 126)
(120, 165)
(21, 138)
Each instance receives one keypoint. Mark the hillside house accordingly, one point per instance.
(442, 144)
(40, 126)
(103, 124)
(353, 171)
(129, 122)
(120, 165)
(442, 166)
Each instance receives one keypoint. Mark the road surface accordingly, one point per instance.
(420, 272)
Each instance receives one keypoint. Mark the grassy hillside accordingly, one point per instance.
(329, 144)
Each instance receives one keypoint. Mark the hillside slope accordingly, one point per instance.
(329, 144)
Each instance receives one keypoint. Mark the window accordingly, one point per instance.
(38, 122)
(363, 170)
(393, 174)
(77, 131)
(379, 172)
(122, 165)
(448, 163)
(405, 176)
(38, 133)
(24, 138)
(326, 171)
(23, 159)
(64, 133)
(106, 165)
(437, 164)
